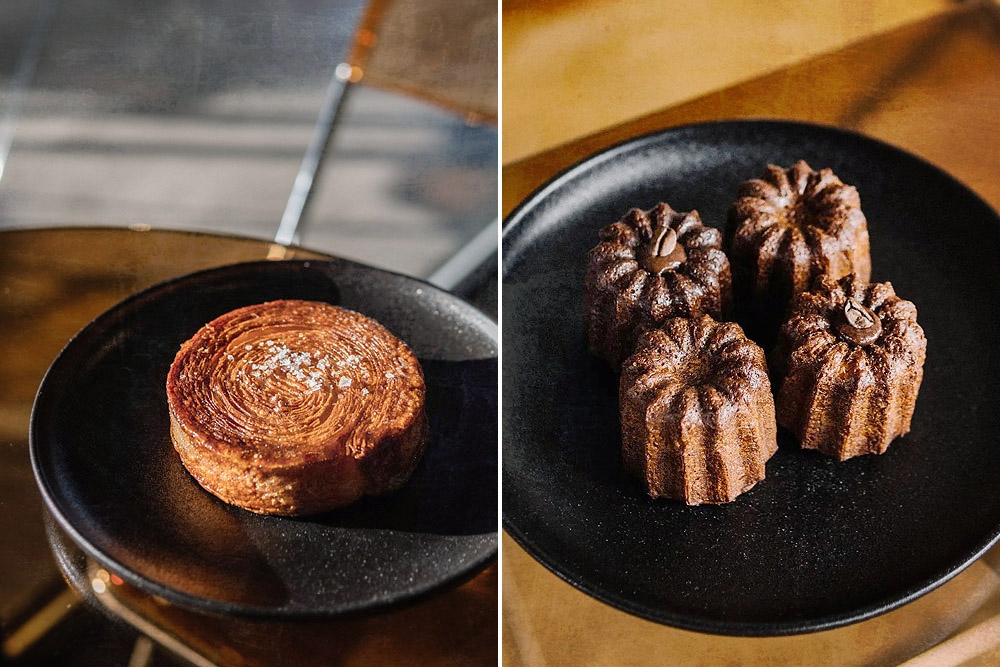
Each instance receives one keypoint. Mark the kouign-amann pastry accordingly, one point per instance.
(697, 415)
(295, 407)
(851, 356)
(788, 227)
(649, 266)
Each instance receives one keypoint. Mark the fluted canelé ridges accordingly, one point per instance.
(839, 396)
(789, 227)
(649, 266)
(697, 414)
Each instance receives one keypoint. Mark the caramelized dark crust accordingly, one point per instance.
(295, 407)
(626, 293)
(842, 394)
(789, 227)
(697, 413)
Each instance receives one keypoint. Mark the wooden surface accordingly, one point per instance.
(575, 67)
(931, 87)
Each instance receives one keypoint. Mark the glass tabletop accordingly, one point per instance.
(52, 283)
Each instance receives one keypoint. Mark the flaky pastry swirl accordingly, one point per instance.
(294, 407)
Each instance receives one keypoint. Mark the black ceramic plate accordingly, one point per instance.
(103, 459)
(818, 543)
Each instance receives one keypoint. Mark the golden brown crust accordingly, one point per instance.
(294, 407)
(838, 396)
(626, 293)
(697, 413)
(789, 227)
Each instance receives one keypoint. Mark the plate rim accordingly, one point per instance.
(194, 602)
(512, 221)
(514, 233)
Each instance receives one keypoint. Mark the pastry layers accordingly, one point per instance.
(294, 407)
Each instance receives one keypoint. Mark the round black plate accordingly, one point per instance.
(818, 543)
(103, 459)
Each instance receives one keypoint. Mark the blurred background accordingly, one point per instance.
(197, 115)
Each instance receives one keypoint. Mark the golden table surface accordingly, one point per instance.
(931, 87)
(52, 283)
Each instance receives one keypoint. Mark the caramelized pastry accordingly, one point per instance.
(850, 359)
(650, 266)
(786, 229)
(295, 407)
(697, 414)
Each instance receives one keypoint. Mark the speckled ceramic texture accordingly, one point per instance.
(104, 462)
(818, 543)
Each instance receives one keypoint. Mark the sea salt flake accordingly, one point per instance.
(344, 382)
(314, 382)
